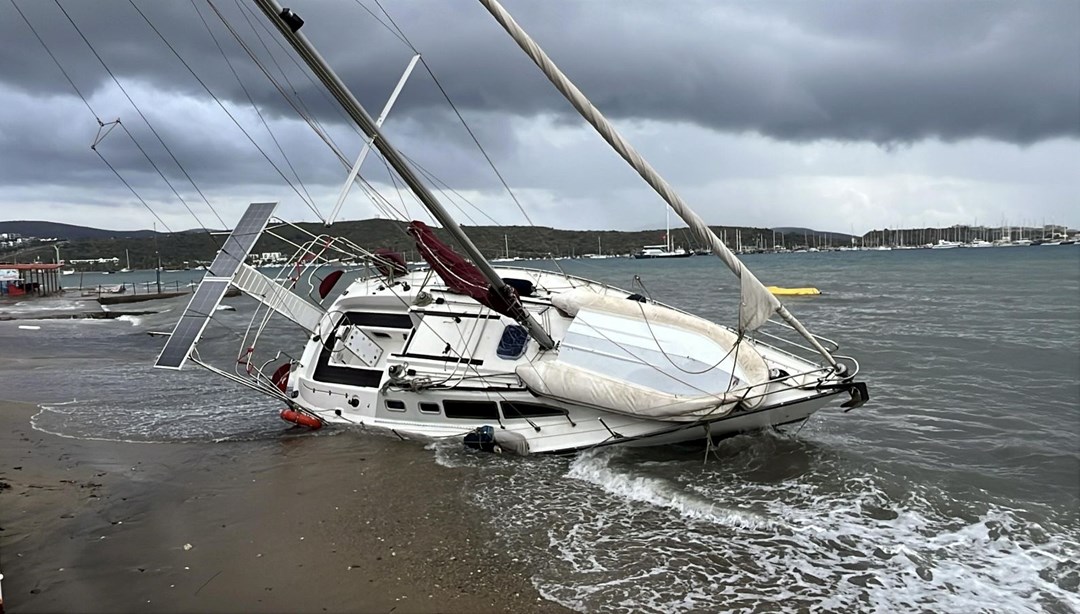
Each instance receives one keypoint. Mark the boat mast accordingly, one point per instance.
(757, 303)
(289, 24)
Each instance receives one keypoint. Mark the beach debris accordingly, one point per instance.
(188, 547)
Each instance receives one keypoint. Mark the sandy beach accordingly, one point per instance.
(346, 522)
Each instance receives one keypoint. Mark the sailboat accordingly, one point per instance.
(127, 262)
(667, 250)
(509, 358)
(599, 255)
(507, 258)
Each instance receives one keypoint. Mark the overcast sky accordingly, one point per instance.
(833, 115)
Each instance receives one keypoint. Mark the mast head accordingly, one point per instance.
(291, 19)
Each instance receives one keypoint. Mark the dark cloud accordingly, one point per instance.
(885, 72)
(735, 102)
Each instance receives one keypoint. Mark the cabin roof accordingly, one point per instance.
(35, 266)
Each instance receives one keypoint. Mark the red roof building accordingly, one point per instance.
(37, 279)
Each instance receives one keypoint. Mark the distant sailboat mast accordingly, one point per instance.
(757, 303)
(667, 229)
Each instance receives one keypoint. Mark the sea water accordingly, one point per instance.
(955, 488)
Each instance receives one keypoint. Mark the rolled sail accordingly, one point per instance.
(647, 361)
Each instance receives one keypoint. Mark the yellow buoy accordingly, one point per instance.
(778, 291)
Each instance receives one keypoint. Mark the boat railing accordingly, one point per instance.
(830, 345)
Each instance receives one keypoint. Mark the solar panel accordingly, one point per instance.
(241, 240)
(213, 286)
(192, 322)
(190, 327)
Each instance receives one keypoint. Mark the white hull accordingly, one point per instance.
(478, 388)
(558, 436)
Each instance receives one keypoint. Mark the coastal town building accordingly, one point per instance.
(35, 279)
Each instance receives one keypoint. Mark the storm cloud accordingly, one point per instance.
(861, 95)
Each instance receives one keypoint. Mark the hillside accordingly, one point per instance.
(45, 230)
(187, 249)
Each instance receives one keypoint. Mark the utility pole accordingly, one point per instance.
(157, 256)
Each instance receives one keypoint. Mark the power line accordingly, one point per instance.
(141, 114)
(310, 204)
(250, 99)
(96, 117)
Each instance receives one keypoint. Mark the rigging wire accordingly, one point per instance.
(141, 114)
(125, 182)
(380, 202)
(513, 196)
(56, 61)
(446, 188)
(317, 86)
(281, 90)
(393, 30)
(310, 204)
(250, 99)
(457, 112)
(101, 124)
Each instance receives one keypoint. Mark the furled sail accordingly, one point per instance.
(757, 304)
(462, 276)
(646, 361)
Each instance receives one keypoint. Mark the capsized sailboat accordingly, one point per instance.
(507, 357)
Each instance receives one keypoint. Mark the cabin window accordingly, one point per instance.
(513, 342)
(429, 408)
(516, 409)
(395, 405)
(382, 320)
(471, 410)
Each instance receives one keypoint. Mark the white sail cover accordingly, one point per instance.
(647, 361)
(757, 304)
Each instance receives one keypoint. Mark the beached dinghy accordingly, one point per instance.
(516, 359)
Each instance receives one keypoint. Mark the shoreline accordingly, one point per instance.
(343, 522)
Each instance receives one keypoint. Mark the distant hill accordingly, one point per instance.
(189, 248)
(799, 232)
(49, 230)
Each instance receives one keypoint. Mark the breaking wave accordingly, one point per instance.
(628, 532)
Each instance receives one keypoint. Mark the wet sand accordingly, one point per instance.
(328, 523)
